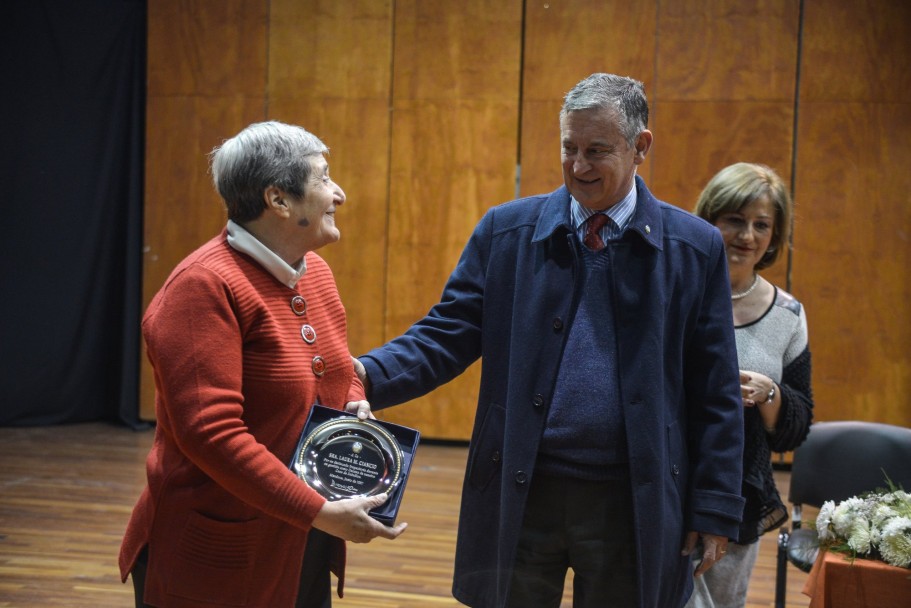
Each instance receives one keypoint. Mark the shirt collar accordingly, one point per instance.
(620, 213)
(242, 240)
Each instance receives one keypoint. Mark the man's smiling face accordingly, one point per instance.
(599, 165)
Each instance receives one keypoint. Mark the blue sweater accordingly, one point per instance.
(584, 437)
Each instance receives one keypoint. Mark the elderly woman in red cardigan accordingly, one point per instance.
(246, 334)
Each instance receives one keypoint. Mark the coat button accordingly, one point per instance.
(496, 456)
(558, 323)
(318, 365)
(308, 334)
(676, 470)
(538, 400)
(521, 478)
(298, 305)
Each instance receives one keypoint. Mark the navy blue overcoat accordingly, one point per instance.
(510, 300)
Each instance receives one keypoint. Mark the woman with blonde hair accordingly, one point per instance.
(751, 207)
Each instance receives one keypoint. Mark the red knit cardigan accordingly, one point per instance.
(224, 518)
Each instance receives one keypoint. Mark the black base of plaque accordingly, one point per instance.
(407, 439)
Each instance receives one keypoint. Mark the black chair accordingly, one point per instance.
(838, 460)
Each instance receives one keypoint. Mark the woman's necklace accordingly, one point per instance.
(743, 294)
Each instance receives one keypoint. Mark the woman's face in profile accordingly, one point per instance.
(747, 232)
(314, 214)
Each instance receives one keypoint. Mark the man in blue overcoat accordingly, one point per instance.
(608, 433)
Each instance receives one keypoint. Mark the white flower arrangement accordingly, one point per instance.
(874, 526)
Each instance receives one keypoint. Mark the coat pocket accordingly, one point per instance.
(487, 455)
(214, 561)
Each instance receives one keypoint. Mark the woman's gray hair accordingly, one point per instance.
(740, 184)
(624, 95)
(264, 154)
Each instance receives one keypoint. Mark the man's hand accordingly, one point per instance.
(348, 519)
(361, 373)
(361, 408)
(713, 549)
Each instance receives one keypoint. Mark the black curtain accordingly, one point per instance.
(71, 185)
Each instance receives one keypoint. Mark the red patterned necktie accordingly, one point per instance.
(592, 238)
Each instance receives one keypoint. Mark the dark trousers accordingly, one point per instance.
(314, 590)
(583, 525)
(138, 574)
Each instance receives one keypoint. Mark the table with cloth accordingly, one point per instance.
(837, 581)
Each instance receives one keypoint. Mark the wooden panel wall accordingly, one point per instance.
(428, 106)
(729, 98)
(455, 126)
(330, 72)
(206, 81)
(565, 41)
(853, 248)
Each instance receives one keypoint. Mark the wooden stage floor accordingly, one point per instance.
(66, 493)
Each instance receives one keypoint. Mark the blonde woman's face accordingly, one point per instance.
(747, 233)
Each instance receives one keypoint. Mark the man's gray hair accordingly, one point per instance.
(624, 95)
